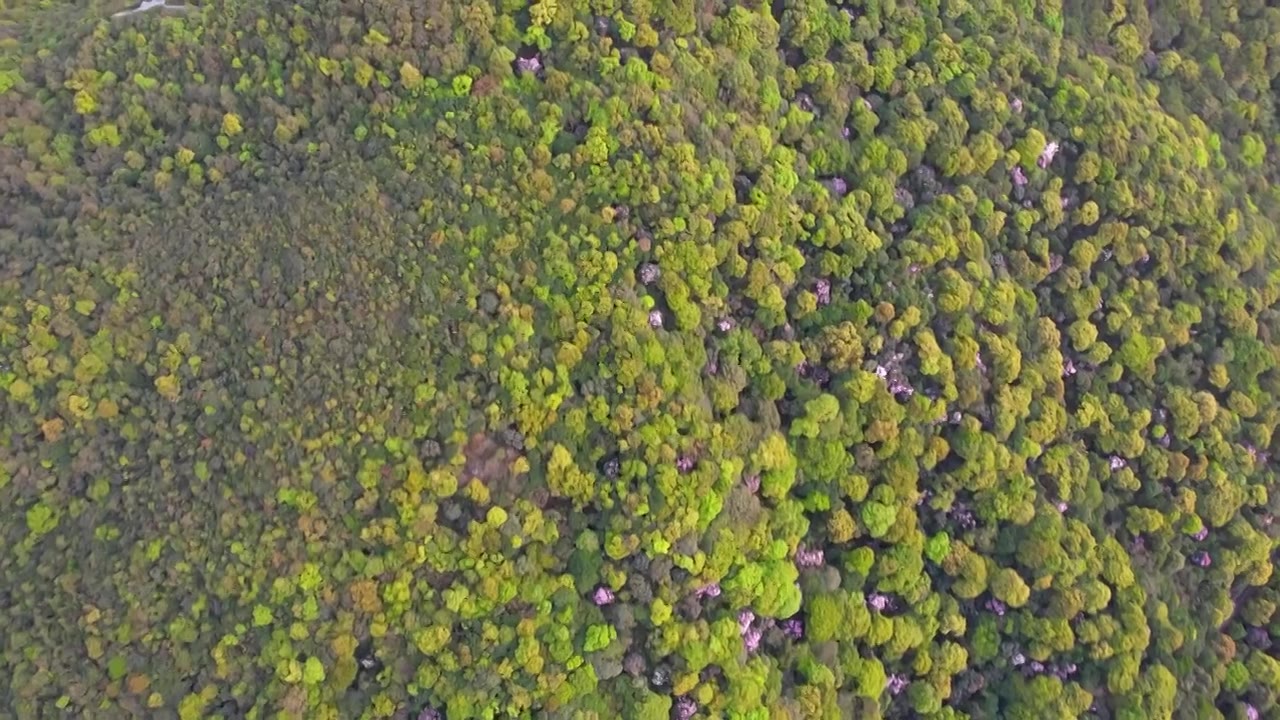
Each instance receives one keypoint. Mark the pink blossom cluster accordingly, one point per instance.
(897, 683)
(1047, 156)
(792, 628)
(1118, 463)
(806, 558)
(724, 324)
(962, 515)
(655, 319)
(823, 290)
(996, 607)
(603, 596)
(529, 64)
(751, 633)
(1201, 534)
(1202, 558)
(1068, 368)
(1035, 667)
(685, 707)
(649, 273)
(1255, 454)
(685, 464)
(891, 373)
(1018, 176)
(709, 590)
(752, 482)
(878, 601)
(1016, 104)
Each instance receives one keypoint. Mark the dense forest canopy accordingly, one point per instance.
(639, 358)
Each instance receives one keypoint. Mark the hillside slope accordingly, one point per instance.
(639, 358)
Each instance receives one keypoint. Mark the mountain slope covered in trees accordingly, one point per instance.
(639, 358)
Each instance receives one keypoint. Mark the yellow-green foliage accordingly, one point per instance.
(566, 359)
